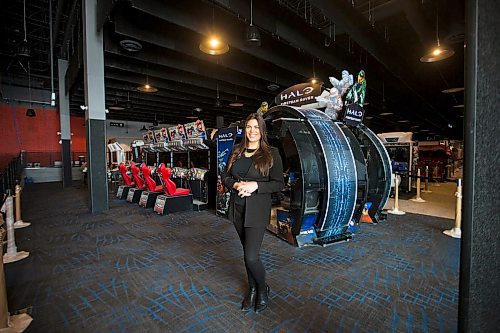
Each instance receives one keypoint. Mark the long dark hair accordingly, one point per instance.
(262, 159)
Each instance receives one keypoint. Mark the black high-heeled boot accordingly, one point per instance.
(262, 299)
(249, 300)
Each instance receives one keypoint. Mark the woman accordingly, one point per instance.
(253, 172)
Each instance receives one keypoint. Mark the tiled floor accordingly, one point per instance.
(440, 201)
(129, 270)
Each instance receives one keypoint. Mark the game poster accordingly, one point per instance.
(164, 134)
(177, 132)
(158, 136)
(225, 142)
(196, 129)
(151, 136)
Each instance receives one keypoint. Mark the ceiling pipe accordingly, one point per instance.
(190, 20)
(413, 15)
(164, 58)
(67, 31)
(124, 27)
(60, 6)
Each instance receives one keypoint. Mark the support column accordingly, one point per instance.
(219, 120)
(479, 291)
(95, 116)
(64, 118)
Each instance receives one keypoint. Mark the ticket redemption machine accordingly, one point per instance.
(330, 170)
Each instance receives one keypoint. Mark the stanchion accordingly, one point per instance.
(15, 323)
(456, 232)
(426, 187)
(19, 221)
(396, 210)
(418, 198)
(12, 254)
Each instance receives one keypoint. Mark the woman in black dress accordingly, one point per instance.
(253, 172)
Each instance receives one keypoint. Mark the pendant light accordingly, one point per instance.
(314, 79)
(384, 106)
(23, 49)
(236, 103)
(30, 112)
(147, 88)
(253, 34)
(218, 103)
(214, 45)
(440, 52)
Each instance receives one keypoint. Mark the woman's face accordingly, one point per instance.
(252, 131)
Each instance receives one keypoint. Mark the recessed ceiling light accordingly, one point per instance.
(458, 106)
(368, 117)
(403, 121)
(415, 126)
(386, 113)
(236, 104)
(198, 109)
(424, 130)
(130, 45)
(192, 117)
(453, 90)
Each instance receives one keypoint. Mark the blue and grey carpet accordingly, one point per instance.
(130, 270)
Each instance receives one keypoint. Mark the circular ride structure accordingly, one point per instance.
(332, 171)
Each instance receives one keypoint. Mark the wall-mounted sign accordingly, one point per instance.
(353, 114)
(115, 124)
(299, 94)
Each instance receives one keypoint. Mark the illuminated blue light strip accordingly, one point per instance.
(386, 162)
(341, 174)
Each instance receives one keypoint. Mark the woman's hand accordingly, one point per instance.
(245, 189)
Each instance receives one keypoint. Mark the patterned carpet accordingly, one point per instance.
(130, 270)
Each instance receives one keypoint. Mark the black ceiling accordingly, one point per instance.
(299, 37)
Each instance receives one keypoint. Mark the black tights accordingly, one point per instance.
(251, 239)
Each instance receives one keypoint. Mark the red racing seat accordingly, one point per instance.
(127, 179)
(139, 182)
(169, 186)
(150, 183)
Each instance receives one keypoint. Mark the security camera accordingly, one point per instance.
(84, 107)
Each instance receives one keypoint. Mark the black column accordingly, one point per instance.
(96, 158)
(66, 162)
(479, 296)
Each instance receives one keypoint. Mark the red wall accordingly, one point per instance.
(36, 135)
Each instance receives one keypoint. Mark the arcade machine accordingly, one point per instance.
(226, 139)
(148, 197)
(128, 181)
(134, 194)
(116, 153)
(322, 178)
(378, 167)
(399, 146)
(174, 199)
(198, 155)
(136, 148)
(334, 167)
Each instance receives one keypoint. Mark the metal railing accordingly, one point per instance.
(51, 158)
(11, 175)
